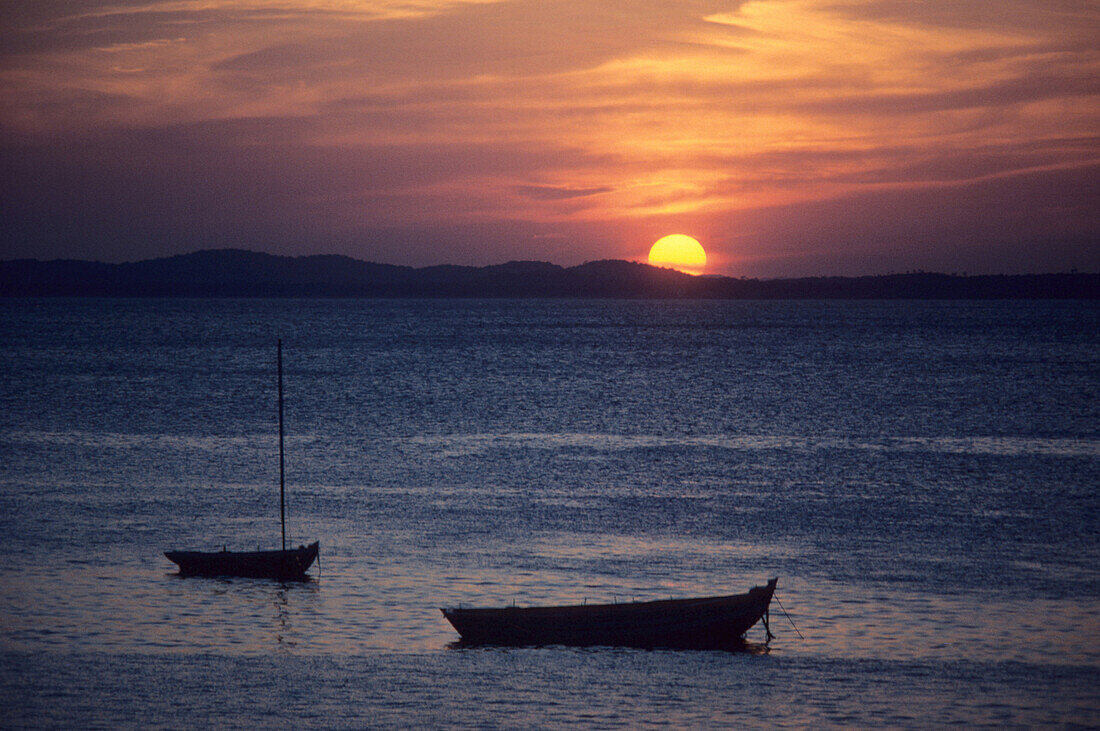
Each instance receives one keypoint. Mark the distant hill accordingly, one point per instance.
(237, 273)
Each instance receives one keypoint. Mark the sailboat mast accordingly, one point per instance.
(282, 488)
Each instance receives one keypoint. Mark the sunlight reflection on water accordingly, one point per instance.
(935, 541)
(474, 444)
(354, 608)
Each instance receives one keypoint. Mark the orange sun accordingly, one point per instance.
(679, 252)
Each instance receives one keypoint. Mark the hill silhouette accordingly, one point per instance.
(239, 273)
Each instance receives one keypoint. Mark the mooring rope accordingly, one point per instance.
(787, 615)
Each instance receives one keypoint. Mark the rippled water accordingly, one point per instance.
(923, 478)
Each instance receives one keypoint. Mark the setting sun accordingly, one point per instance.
(679, 252)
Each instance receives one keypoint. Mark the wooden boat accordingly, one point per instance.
(287, 565)
(717, 622)
(284, 564)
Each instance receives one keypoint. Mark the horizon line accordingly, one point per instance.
(232, 249)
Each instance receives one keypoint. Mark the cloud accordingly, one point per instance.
(552, 193)
(327, 124)
(1007, 92)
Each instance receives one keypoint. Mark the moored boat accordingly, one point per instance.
(717, 622)
(286, 565)
(283, 564)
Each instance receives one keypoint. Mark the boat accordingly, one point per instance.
(716, 622)
(284, 564)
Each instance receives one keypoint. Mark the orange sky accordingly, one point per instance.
(791, 137)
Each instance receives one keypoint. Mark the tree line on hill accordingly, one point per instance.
(237, 273)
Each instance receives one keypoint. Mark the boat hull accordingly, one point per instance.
(718, 622)
(289, 565)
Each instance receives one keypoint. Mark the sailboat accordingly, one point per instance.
(285, 564)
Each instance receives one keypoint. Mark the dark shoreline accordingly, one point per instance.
(237, 273)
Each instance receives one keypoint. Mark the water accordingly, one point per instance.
(923, 478)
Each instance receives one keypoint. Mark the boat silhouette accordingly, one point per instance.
(716, 622)
(283, 564)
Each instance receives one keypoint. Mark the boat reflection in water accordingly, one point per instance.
(707, 623)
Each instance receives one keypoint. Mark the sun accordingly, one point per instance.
(679, 252)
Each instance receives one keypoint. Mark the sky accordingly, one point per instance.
(790, 137)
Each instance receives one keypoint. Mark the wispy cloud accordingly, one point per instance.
(751, 124)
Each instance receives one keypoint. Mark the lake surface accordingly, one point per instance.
(923, 478)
